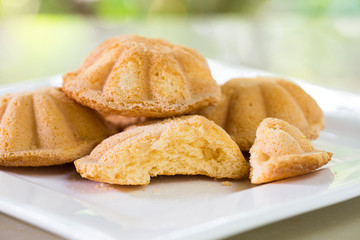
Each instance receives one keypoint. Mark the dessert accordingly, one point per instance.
(134, 76)
(247, 101)
(44, 127)
(281, 151)
(188, 145)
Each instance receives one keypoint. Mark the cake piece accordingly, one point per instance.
(189, 145)
(134, 76)
(282, 151)
(44, 127)
(247, 101)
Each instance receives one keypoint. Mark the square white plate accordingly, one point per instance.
(182, 207)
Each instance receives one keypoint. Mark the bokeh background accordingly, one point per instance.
(314, 40)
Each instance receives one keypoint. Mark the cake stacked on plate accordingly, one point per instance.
(144, 87)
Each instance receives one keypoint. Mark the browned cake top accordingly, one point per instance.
(247, 101)
(132, 75)
(281, 151)
(45, 127)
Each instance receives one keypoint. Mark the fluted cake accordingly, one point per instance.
(44, 127)
(130, 75)
(247, 101)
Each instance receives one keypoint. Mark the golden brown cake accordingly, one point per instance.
(247, 101)
(44, 127)
(135, 76)
(282, 151)
(189, 145)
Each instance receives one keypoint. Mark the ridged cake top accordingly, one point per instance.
(137, 76)
(34, 123)
(247, 101)
(280, 151)
(275, 137)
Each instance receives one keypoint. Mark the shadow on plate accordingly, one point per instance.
(41, 171)
(320, 177)
(160, 182)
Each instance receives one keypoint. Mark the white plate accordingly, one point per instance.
(182, 207)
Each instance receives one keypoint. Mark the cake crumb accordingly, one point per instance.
(226, 183)
(102, 187)
(156, 190)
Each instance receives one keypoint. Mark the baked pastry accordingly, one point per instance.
(247, 101)
(44, 127)
(130, 75)
(282, 151)
(188, 145)
(122, 122)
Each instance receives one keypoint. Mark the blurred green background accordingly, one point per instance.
(315, 40)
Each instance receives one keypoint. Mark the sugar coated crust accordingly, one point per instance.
(134, 76)
(282, 151)
(188, 145)
(44, 127)
(247, 101)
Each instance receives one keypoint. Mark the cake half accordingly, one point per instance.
(189, 145)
